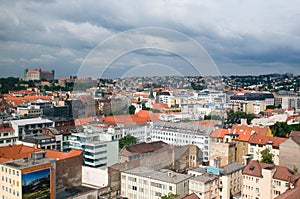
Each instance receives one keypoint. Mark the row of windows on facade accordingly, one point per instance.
(178, 134)
(8, 180)
(9, 190)
(7, 141)
(6, 134)
(9, 171)
(176, 140)
(154, 184)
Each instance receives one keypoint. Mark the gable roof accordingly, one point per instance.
(263, 140)
(254, 168)
(219, 133)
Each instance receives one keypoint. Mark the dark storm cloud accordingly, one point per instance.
(238, 35)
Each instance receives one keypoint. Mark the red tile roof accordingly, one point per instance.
(14, 152)
(219, 133)
(254, 168)
(140, 118)
(191, 196)
(263, 140)
(5, 129)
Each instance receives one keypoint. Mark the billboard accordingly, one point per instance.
(36, 184)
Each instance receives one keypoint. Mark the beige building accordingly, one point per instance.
(289, 151)
(30, 178)
(258, 143)
(38, 74)
(205, 186)
(224, 152)
(230, 180)
(146, 183)
(266, 181)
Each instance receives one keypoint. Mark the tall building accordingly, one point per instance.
(100, 150)
(28, 178)
(38, 74)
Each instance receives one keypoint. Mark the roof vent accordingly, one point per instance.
(171, 174)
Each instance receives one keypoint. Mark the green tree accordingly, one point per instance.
(131, 109)
(267, 156)
(127, 140)
(235, 117)
(281, 129)
(170, 196)
(145, 108)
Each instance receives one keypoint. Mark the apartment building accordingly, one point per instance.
(7, 134)
(258, 143)
(251, 102)
(100, 150)
(28, 178)
(146, 183)
(183, 134)
(229, 180)
(31, 126)
(205, 186)
(266, 181)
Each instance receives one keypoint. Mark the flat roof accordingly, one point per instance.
(37, 120)
(161, 175)
(27, 162)
(205, 178)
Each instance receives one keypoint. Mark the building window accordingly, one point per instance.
(257, 190)
(257, 180)
(170, 188)
(134, 188)
(158, 194)
(131, 179)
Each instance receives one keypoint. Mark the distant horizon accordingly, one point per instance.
(238, 75)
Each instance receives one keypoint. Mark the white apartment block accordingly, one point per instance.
(141, 132)
(146, 183)
(183, 134)
(31, 126)
(100, 150)
(7, 135)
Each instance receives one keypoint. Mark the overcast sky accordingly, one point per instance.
(240, 37)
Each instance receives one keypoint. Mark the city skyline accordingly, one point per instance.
(242, 38)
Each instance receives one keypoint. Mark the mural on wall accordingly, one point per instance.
(36, 184)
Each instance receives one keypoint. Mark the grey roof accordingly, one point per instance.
(205, 178)
(253, 96)
(230, 168)
(27, 162)
(161, 175)
(198, 169)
